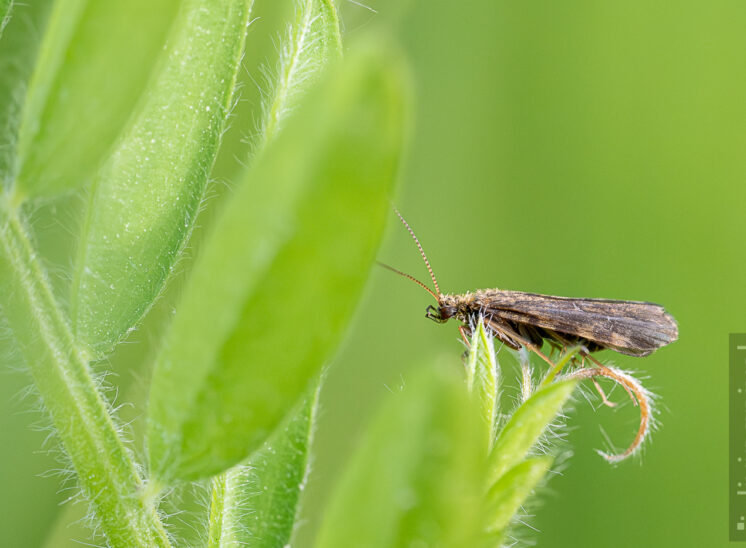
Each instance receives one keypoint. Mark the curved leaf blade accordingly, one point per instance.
(526, 426)
(271, 295)
(93, 66)
(416, 478)
(511, 491)
(145, 198)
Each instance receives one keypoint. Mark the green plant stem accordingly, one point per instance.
(106, 472)
(223, 526)
(217, 511)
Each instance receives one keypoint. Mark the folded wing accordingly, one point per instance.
(630, 327)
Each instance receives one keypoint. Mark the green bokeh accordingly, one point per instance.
(590, 149)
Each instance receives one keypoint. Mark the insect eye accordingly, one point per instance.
(446, 312)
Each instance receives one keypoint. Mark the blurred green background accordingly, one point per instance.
(589, 149)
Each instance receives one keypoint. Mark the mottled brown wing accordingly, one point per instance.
(630, 327)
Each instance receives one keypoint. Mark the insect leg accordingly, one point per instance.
(555, 338)
(584, 353)
(627, 388)
(465, 333)
(530, 333)
(601, 392)
(495, 326)
(502, 327)
(555, 347)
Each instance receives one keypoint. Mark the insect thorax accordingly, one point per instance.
(456, 306)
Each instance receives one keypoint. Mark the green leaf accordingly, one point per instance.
(18, 50)
(312, 40)
(482, 380)
(416, 478)
(271, 295)
(260, 496)
(144, 200)
(94, 64)
(512, 490)
(526, 425)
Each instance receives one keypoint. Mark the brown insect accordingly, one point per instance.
(521, 319)
(527, 320)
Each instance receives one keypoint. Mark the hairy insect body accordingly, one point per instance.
(516, 318)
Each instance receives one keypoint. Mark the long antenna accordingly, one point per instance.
(415, 280)
(422, 252)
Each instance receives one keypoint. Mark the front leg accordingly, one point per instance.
(507, 334)
(465, 332)
(502, 330)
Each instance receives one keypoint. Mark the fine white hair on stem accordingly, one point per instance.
(527, 387)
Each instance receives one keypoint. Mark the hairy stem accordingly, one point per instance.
(217, 511)
(105, 470)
